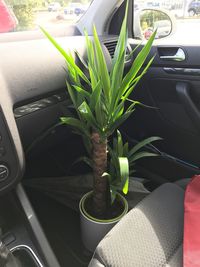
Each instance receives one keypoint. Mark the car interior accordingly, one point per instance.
(39, 219)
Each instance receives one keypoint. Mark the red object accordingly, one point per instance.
(8, 21)
(191, 242)
(148, 33)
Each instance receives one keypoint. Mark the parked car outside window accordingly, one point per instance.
(8, 21)
(54, 6)
(70, 9)
(80, 10)
(194, 8)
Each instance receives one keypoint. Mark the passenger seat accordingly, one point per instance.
(150, 235)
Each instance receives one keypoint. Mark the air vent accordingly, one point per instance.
(111, 45)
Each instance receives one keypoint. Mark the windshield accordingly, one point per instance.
(23, 15)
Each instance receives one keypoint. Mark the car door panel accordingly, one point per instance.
(173, 90)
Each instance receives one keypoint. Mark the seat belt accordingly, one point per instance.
(191, 240)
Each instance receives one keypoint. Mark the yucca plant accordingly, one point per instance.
(99, 96)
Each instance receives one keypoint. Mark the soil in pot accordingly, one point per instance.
(113, 211)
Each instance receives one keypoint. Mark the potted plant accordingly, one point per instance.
(99, 99)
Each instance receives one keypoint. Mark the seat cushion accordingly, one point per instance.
(151, 234)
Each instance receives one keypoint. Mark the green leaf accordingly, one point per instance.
(93, 77)
(118, 61)
(71, 121)
(133, 51)
(73, 74)
(113, 193)
(118, 111)
(122, 40)
(119, 144)
(142, 144)
(81, 59)
(113, 126)
(126, 186)
(124, 173)
(86, 113)
(136, 81)
(140, 155)
(137, 64)
(125, 149)
(72, 94)
(65, 55)
(90, 51)
(82, 91)
(102, 66)
(141, 104)
(95, 96)
(100, 114)
(116, 80)
(74, 123)
(131, 107)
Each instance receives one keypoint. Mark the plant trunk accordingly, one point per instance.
(101, 185)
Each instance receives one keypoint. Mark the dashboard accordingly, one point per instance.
(33, 96)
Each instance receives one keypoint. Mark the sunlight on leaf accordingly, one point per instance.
(124, 173)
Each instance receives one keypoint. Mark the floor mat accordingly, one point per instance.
(62, 228)
(68, 190)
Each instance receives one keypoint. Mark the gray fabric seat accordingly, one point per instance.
(151, 234)
(183, 182)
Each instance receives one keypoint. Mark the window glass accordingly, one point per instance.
(21, 15)
(186, 13)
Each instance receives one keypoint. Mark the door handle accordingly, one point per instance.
(179, 56)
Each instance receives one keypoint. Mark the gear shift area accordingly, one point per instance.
(17, 248)
(7, 258)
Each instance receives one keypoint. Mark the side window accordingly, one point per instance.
(186, 13)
